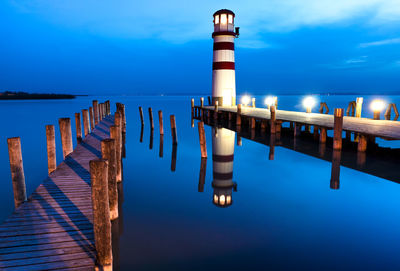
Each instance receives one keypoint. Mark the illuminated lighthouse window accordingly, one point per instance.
(223, 19)
(217, 19)
(230, 19)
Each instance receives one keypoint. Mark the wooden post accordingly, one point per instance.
(202, 175)
(263, 126)
(151, 118)
(252, 123)
(272, 119)
(201, 102)
(202, 138)
(17, 170)
(216, 110)
(115, 133)
(121, 110)
(91, 118)
(238, 115)
(51, 148)
(192, 106)
(160, 121)
(173, 130)
(100, 112)
(108, 152)
(338, 126)
(359, 103)
(101, 213)
(85, 118)
(141, 115)
(377, 115)
(297, 129)
(96, 112)
(362, 143)
(253, 102)
(78, 127)
(322, 135)
(335, 172)
(66, 135)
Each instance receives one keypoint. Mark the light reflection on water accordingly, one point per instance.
(289, 208)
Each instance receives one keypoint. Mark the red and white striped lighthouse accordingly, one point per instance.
(223, 79)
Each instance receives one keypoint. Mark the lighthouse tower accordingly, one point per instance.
(223, 77)
(223, 146)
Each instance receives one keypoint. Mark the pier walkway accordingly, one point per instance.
(53, 230)
(386, 129)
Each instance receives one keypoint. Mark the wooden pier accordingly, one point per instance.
(54, 229)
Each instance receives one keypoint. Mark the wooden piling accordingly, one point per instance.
(101, 213)
(17, 170)
(78, 127)
(86, 124)
(362, 143)
(173, 130)
(322, 135)
(359, 103)
(95, 104)
(192, 106)
(108, 152)
(338, 127)
(141, 115)
(117, 135)
(201, 102)
(238, 115)
(160, 121)
(66, 135)
(202, 139)
(51, 148)
(272, 120)
(297, 129)
(123, 118)
(151, 118)
(91, 117)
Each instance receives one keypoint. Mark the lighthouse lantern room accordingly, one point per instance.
(223, 78)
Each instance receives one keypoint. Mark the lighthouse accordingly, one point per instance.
(223, 146)
(223, 76)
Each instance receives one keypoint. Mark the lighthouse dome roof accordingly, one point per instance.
(224, 11)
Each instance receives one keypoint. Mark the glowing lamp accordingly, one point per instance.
(309, 102)
(270, 101)
(377, 106)
(245, 100)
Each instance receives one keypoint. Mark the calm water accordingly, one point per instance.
(282, 213)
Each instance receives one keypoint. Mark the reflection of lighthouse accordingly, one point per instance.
(223, 79)
(223, 145)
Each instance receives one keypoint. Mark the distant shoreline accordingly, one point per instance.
(34, 96)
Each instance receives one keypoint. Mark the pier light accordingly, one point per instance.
(377, 106)
(309, 102)
(270, 100)
(245, 100)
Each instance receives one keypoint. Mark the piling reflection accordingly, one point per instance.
(223, 145)
(141, 133)
(173, 157)
(202, 175)
(335, 172)
(161, 151)
(151, 139)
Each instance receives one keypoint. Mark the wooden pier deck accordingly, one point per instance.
(53, 230)
(386, 129)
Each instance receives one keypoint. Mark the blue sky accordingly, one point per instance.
(139, 47)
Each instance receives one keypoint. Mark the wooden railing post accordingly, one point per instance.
(108, 152)
(173, 130)
(101, 213)
(192, 106)
(359, 103)
(78, 127)
(96, 112)
(17, 170)
(160, 121)
(201, 102)
(202, 139)
(86, 124)
(51, 148)
(66, 135)
(338, 127)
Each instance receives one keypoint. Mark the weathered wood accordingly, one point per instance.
(115, 133)
(108, 152)
(17, 170)
(160, 122)
(51, 148)
(192, 106)
(202, 139)
(174, 132)
(338, 127)
(141, 115)
(66, 135)
(86, 122)
(322, 135)
(78, 127)
(96, 111)
(91, 117)
(101, 213)
(272, 122)
(151, 118)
